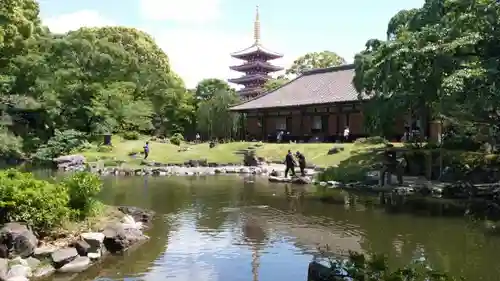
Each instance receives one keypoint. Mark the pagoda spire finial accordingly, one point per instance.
(256, 26)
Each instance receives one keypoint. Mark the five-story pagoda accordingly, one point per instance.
(256, 68)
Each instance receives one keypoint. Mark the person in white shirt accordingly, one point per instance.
(346, 134)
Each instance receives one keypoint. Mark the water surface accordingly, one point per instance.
(227, 228)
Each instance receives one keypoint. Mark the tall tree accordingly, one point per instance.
(439, 58)
(315, 60)
(207, 88)
(273, 84)
(214, 120)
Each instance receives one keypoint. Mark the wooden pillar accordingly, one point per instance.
(339, 114)
(263, 128)
(243, 129)
(302, 123)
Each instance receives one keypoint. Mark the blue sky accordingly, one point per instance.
(198, 35)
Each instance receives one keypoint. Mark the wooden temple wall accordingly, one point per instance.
(300, 121)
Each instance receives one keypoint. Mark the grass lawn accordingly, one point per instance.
(316, 153)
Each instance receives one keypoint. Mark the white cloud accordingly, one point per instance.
(192, 11)
(73, 21)
(194, 54)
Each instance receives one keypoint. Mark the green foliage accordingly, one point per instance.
(176, 139)
(92, 80)
(39, 203)
(104, 148)
(132, 135)
(11, 147)
(344, 173)
(82, 188)
(214, 118)
(61, 143)
(315, 60)
(371, 141)
(438, 61)
(358, 267)
(274, 84)
(208, 88)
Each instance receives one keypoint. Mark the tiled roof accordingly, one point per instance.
(256, 48)
(318, 86)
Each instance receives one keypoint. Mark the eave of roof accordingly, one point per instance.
(317, 86)
(256, 64)
(256, 48)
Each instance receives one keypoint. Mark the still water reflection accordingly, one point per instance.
(225, 228)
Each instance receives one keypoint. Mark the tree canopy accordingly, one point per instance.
(441, 58)
(92, 80)
(314, 60)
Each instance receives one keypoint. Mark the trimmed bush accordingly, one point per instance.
(176, 139)
(131, 135)
(371, 141)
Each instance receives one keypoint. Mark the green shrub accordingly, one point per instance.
(105, 148)
(11, 147)
(376, 268)
(344, 173)
(131, 135)
(63, 142)
(371, 141)
(176, 139)
(39, 203)
(83, 189)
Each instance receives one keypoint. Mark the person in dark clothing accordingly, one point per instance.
(290, 164)
(391, 166)
(302, 163)
(146, 150)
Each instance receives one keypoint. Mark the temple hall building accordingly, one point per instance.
(320, 103)
(256, 67)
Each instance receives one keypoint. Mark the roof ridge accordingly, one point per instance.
(328, 69)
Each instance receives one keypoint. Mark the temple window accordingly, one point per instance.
(317, 123)
(280, 123)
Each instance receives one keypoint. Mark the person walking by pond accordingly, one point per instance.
(302, 163)
(289, 164)
(146, 150)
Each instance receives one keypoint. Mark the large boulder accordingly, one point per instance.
(139, 215)
(250, 159)
(117, 238)
(302, 180)
(17, 239)
(68, 162)
(63, 256)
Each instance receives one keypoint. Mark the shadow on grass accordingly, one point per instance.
(355, 167)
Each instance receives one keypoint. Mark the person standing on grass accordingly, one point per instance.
(198, 137)
(347, 132)
(289, 164)
(146, 150)
(302, 163)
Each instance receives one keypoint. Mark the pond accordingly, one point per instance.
(229, 228)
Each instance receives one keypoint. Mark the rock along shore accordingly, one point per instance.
(190, 168)
(24, 257)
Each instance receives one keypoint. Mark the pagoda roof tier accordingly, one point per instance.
(251, 91)
(314, 87)
(256, 50)
(250, 78)
(256, 64)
